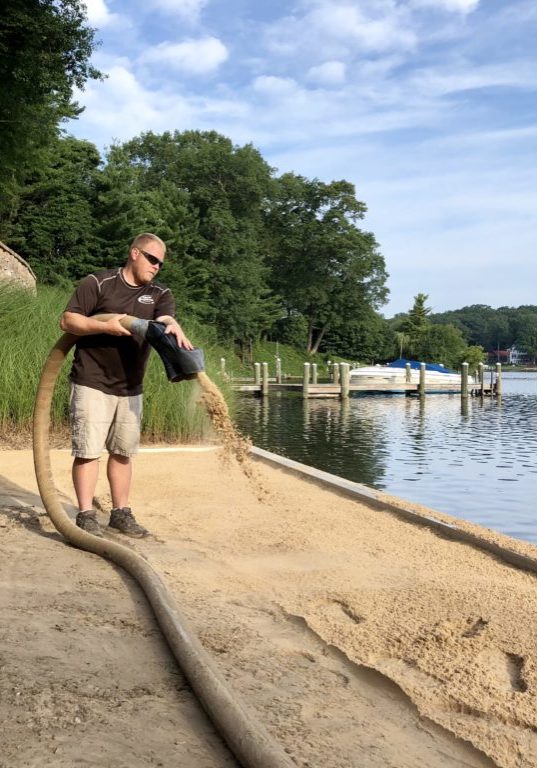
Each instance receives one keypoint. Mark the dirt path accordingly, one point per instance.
(358, 639)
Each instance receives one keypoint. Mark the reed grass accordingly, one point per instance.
(29, 327)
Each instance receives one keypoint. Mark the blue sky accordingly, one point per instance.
(428, 106)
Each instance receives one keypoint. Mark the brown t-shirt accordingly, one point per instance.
(115, 364)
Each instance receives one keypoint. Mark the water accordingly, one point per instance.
(477, 462)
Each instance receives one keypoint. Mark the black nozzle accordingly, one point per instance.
(179, 363)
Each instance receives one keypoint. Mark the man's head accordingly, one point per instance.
(146, 256)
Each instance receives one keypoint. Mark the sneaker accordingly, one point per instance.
(87, 520)
(124, 521)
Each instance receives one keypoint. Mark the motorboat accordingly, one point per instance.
(396, 373)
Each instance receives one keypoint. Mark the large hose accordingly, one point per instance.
(247, 739)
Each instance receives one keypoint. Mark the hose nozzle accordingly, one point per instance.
(179, 363)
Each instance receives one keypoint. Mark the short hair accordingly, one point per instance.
(144, 238)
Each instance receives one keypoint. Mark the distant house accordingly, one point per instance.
(509, 356)
(14, 270)
(517, 356)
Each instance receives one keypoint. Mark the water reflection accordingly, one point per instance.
(474, 458)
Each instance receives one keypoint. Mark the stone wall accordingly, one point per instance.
(13, 269)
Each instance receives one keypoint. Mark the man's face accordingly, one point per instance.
(146, 261)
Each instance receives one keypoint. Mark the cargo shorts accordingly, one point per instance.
(100, 421)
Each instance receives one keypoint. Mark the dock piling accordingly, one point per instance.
(464, 381)
(481, 375)
(265, 381)
(345, 380)
(257, 373)
(306, 381)
(422, 380)
(498, 379)
(278, 370)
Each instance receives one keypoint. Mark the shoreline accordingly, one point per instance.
(359, 638)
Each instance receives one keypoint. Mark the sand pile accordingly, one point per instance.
(360, 640)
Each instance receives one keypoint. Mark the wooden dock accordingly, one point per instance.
(330, 389)
(340, 386)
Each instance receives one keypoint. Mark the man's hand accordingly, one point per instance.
(172, 326)
(114, 328)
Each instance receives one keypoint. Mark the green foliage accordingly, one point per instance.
(324, 267)
(495, 329)
(54, 224)
(249, 255)
(415, 325)
(368, 338)
(440, 344)
(473, 355)
(45, 47)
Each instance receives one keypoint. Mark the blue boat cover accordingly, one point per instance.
(415, 365)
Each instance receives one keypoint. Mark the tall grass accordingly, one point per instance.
(29, 327)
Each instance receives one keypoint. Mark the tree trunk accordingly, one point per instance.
(318, 340)
(310, 338)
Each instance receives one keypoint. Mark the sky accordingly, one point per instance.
(427, 106)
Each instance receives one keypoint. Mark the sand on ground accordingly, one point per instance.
(356, 638)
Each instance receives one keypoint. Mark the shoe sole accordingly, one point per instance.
(126, 533)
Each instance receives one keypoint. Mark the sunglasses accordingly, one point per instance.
(151, 259)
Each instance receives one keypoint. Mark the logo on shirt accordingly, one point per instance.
(146, 299)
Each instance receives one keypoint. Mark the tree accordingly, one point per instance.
(205, 197)
(45, 48)
(54, 226)
(322, 264)
(526, 338)
(473, 355)
(440, 344)
(417, 322)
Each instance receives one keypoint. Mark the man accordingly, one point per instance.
(107, 376)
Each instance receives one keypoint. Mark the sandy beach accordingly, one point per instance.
(358, 639)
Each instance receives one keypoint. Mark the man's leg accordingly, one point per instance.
(122, 443)
(91, 413)
(119, 473)
(85, 473)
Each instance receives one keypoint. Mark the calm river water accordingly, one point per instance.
(478, 462)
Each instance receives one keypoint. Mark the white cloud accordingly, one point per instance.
(98, 13)
(276, 87)
(331, 29)
(197, 57)
(189, 10)
(330, 73)
(462, 6)
(458, 77)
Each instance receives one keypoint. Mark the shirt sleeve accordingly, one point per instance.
(84, 299)
(165, 305)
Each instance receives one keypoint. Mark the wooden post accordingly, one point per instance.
(422, 380)
(344, 376)
(264, 385)
(278, 370)
(482, 378)
(223, 366)
(498, 379)
(314, 373)
(306, 381)
(464, 381)
(408, 373)
(335, 373)
(328, 370)
(257, 373)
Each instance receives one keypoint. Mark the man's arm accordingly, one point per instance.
(80, 325)
(172, 326)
